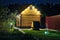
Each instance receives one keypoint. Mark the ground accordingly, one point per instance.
(30, 35)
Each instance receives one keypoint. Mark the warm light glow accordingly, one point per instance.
(38, 12)
(32, 25)
(31, 11)
(35, 10)
(27, 17)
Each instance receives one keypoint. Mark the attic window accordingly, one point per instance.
(30, 8)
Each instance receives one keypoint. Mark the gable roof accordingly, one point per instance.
(31, 10)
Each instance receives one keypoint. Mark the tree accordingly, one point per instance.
(6, 16)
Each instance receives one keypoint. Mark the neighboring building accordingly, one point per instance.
(27, 16)
(53, 22)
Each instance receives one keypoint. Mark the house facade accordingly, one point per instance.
(26, 18)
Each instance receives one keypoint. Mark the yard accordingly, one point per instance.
(30, 35)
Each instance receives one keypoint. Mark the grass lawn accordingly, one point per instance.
(30, 35)
(44, 34)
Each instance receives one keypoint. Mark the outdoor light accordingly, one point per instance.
(38, 12)
(35, 9)
(10, 23)
(46, 32)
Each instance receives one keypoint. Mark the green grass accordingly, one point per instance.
(30, 35)
(42, 33)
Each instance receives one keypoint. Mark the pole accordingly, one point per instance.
(21, 20)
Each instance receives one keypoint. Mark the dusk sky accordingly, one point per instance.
(7, 2)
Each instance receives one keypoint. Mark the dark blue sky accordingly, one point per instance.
(7, 2)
